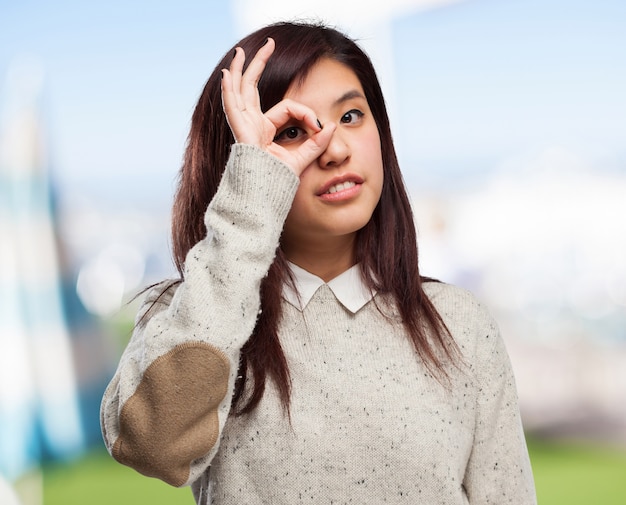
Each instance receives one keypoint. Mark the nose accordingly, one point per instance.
(337, 152)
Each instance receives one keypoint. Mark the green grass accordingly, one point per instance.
(578, 473)
(97, 479)
(565, 474)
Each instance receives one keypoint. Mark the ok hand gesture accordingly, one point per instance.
(242, 106)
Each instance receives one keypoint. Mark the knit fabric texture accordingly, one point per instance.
(368, 423)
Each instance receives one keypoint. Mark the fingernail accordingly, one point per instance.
(265, 41)
(319, 124)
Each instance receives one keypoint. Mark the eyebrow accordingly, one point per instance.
(349, 95)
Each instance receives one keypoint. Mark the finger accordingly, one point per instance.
(252, 75)
(229, 102)
(231, 106)
(236, 69)
(288, 110)
(313, 147)
(308, 151)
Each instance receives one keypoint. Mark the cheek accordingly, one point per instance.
(370, 143)
(373, 153)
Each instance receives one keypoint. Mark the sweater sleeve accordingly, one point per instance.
(499, 469)
(167, 403)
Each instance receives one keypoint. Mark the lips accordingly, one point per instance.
(339, 184)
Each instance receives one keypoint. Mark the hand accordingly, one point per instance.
(242, 106)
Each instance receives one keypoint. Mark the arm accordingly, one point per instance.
(499, 469)
(163, 411)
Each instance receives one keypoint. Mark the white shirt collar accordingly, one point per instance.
(347, 287)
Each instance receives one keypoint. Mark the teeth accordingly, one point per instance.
(341, 186)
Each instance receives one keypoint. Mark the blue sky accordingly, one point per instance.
(489, 79)
(476, 83)
(121, 80)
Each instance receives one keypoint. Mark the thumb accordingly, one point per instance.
(315, 145)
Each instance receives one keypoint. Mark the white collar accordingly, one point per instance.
(347, 287)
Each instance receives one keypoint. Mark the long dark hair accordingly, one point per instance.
(386, 247)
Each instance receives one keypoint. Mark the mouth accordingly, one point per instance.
(340, 187)
(338, 184)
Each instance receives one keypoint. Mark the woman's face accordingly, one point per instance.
(339, 191)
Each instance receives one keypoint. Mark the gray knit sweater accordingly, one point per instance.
(368, 423)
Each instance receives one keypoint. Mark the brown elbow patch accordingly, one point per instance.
(171, 419)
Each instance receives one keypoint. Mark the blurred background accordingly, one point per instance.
(510, 122)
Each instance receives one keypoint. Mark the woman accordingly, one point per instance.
(301, 357)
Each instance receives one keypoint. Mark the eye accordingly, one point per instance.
(289, 135)
(352, 116)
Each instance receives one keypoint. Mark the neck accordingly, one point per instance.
(327, 261)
